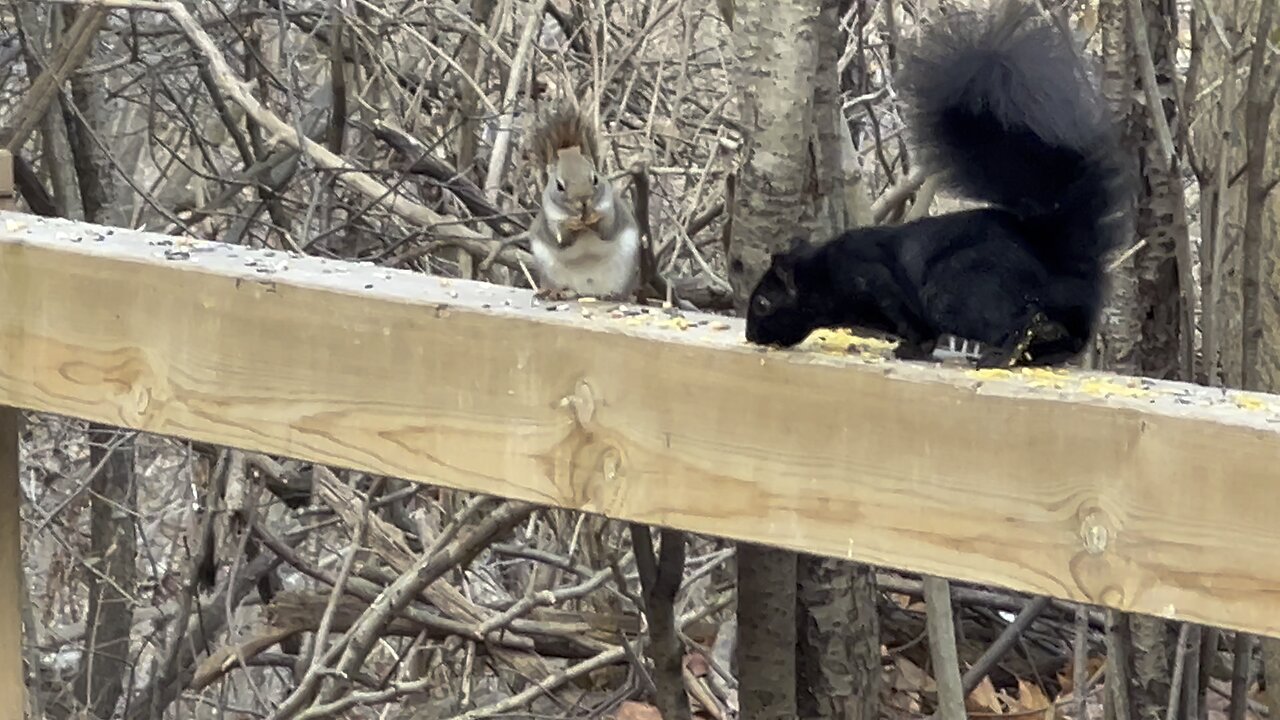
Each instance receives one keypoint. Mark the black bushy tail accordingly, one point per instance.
(1001, 105)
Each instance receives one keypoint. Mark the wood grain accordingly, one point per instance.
(1151, 497)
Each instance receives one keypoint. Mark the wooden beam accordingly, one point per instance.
(12, 680)
(1149, 497)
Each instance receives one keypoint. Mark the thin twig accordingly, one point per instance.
(1119, 644)
(1007, 638)
(1176, 677)
(280, 131)
(335, 593)
(502, 142)
(1241, 675)
(1079, 660)
(1147, 74)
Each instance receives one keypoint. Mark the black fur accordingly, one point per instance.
(1003, 110)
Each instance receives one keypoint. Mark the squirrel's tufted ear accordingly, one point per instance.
(782, 263)
(784, 269)
(783, 255)
(796, 242)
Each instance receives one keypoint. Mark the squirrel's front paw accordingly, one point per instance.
(618, 297)
(554, 294)
(920, 350)
(578, 224)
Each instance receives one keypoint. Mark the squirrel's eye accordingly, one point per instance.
(559, 184)
(595, 179)
(763, 305)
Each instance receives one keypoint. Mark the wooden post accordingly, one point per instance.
(12, 684)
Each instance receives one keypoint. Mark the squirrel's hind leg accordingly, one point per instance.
(1015, 347)
(1072, 307)
(1059, 348)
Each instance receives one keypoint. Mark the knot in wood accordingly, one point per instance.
(141, 400)
(581, 402)
(610, 465)
(1094, 532)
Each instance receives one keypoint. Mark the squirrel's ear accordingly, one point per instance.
(782, 263)
(785, 271)
(782, 254)
(785, 255)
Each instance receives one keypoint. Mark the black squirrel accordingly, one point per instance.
(1003, 110)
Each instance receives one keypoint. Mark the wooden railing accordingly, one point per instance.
(1144, 496)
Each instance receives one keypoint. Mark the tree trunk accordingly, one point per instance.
(837, 633)
(765, 654)
(837, 640)
(1271, 670)
(112, 552)
(864, 637)
(793, 181)
(53, 137)
(471, 59)
(1260, 276)
(112, 542)
(1150, 341)
(1260, 364)
(1152, 663)
(1153, 339)
(777, 50)
(660, 578)
(824, 608)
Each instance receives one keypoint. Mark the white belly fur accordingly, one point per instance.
(590, 266)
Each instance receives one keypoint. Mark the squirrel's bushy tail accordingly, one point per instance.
(1001, 105)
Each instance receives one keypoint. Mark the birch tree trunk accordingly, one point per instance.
(1150, 333)
(1260, 357)
(794, 180)
(776, 47)
(1148, 329)
(1260, 276)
